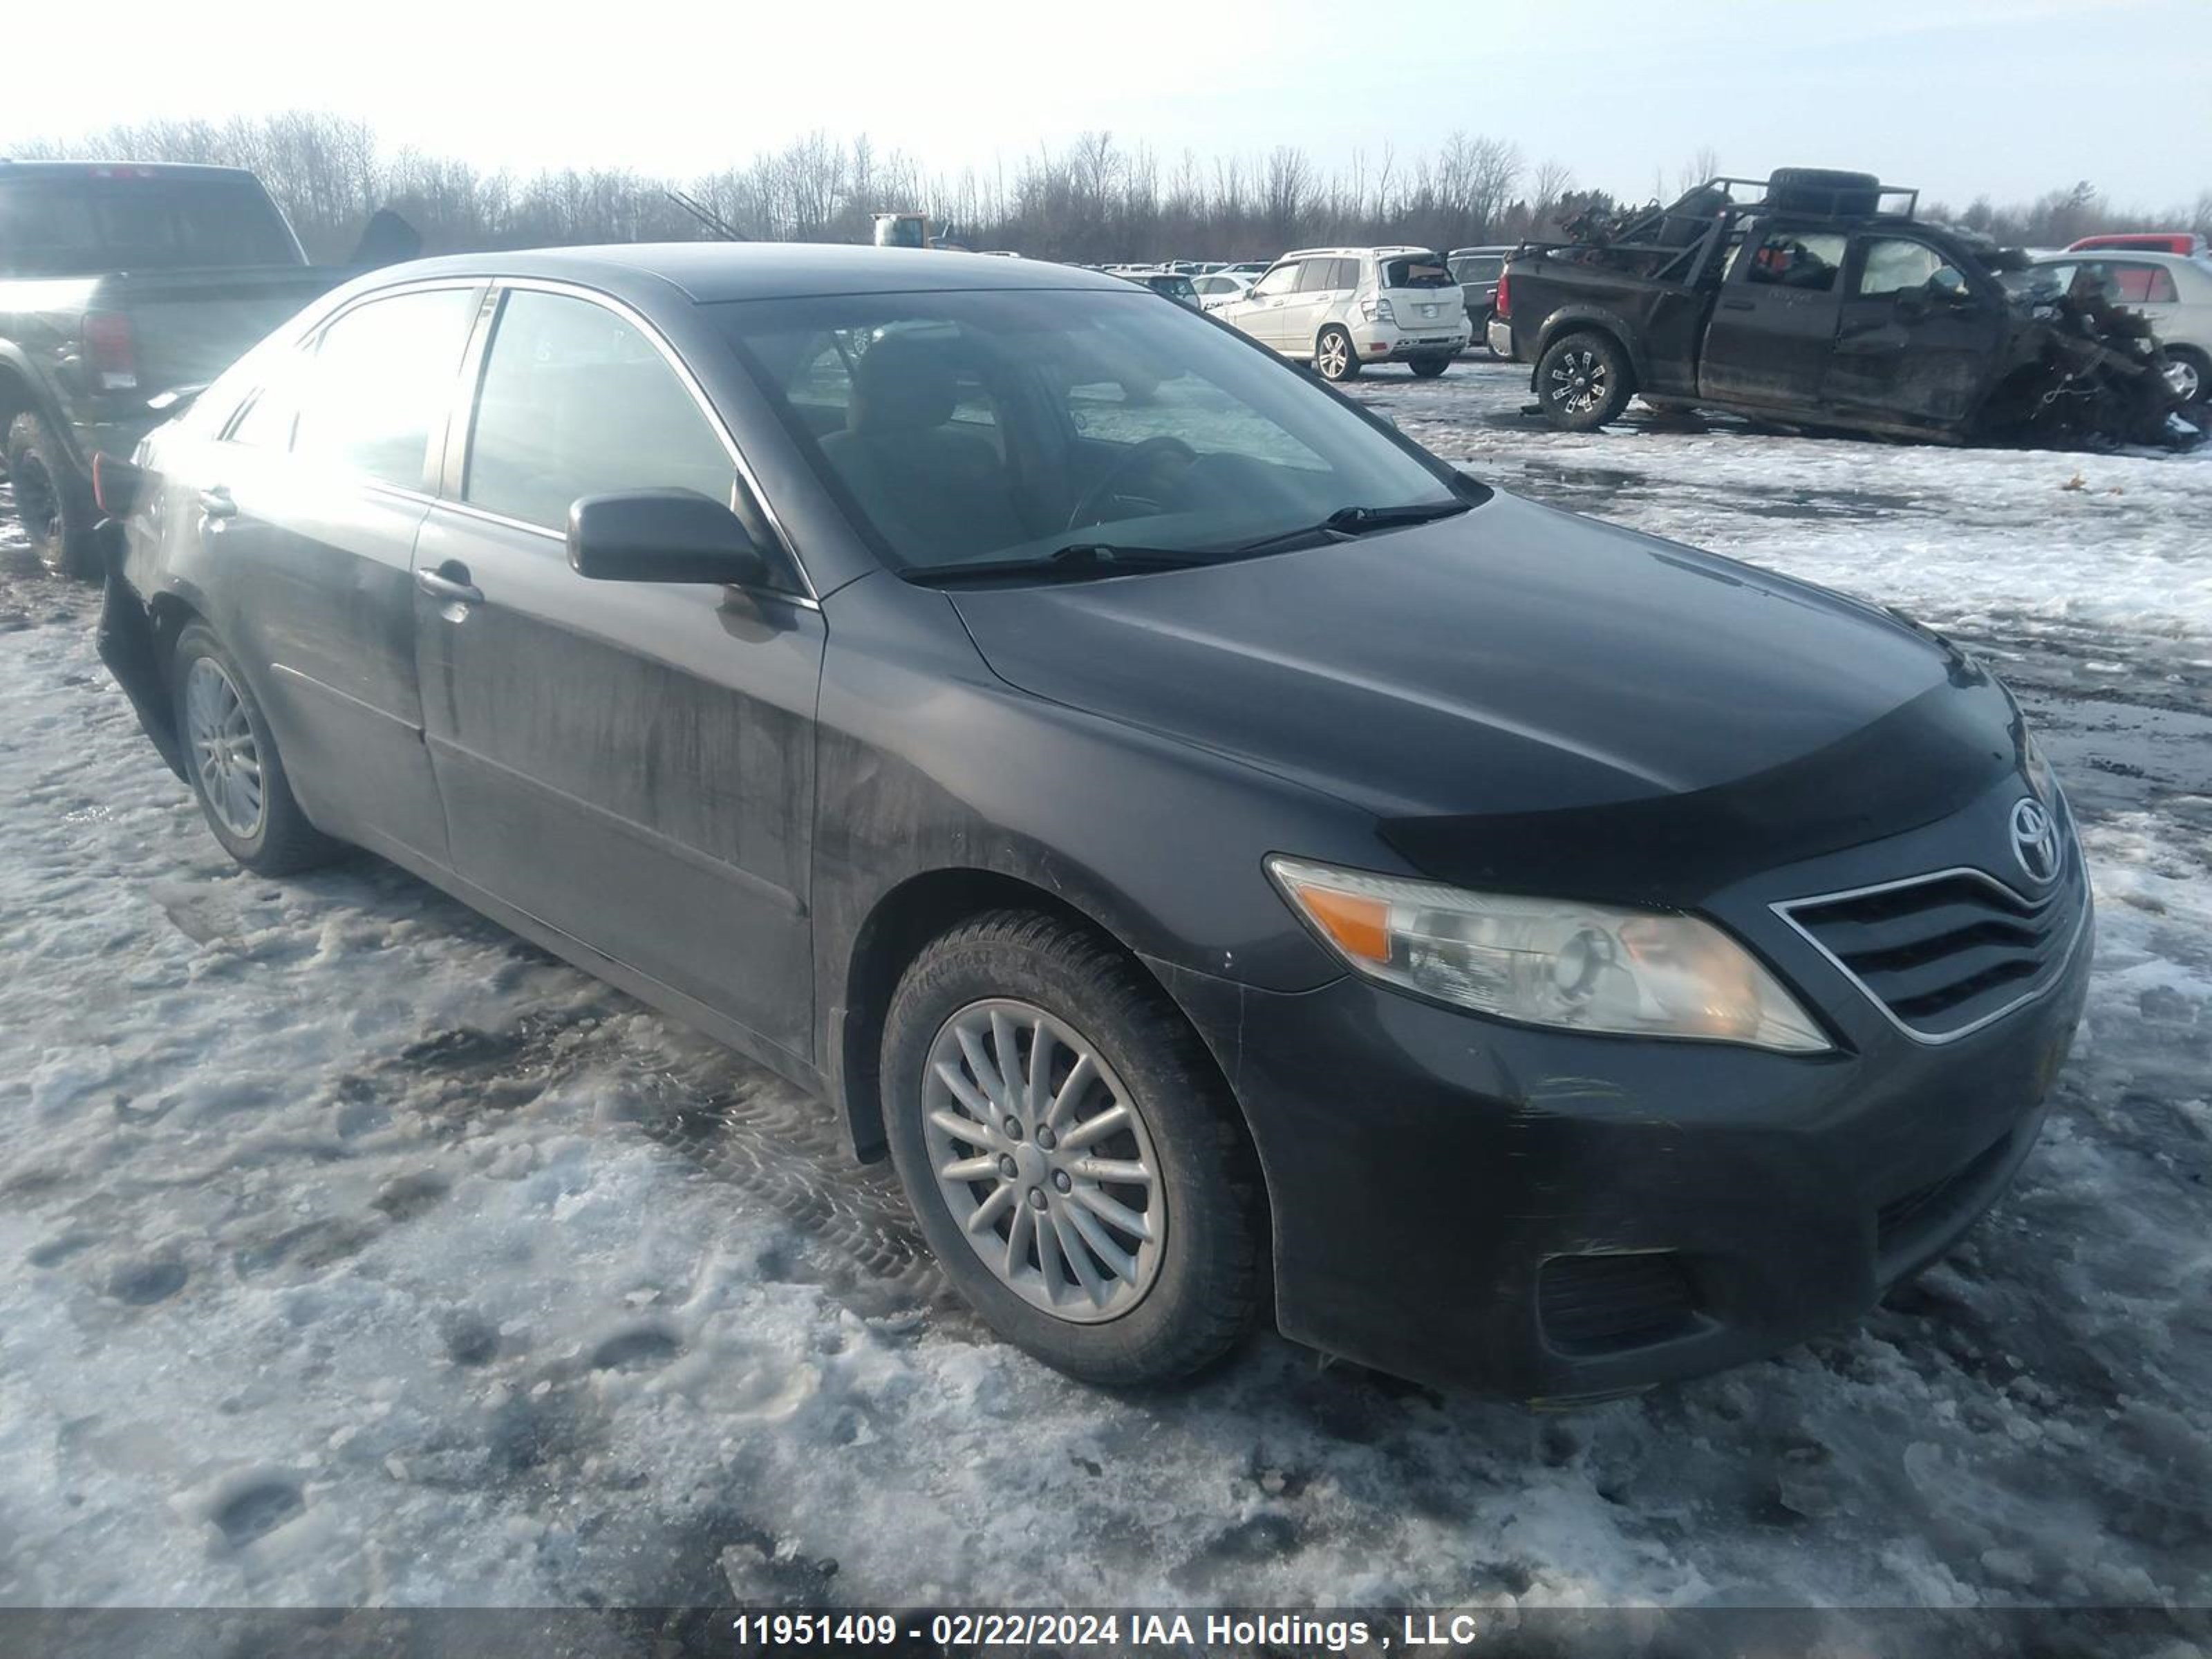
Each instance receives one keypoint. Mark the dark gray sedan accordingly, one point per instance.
(1233, 863)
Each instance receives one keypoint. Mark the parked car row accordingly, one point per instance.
(1236, 865)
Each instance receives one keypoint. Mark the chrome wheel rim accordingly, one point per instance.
(225, 758)
(1578, 381)
(2184, 378)
(1043, 1161)
(1333, 357)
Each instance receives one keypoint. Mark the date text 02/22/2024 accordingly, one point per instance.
(1072, 1630)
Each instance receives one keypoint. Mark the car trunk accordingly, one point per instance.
(1422, 293)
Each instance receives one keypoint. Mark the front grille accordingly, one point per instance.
(1592, 1304)
(1946, 953)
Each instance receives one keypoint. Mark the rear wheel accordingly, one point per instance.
(231, 761)
(1427, 368)
(1071, 1155)
(51, 506)
(1581, 382)
(1334, 356)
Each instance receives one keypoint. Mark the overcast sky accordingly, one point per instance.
(2006, 98)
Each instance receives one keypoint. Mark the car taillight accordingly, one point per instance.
(109, 352)
(1504, 307)
(115, 485)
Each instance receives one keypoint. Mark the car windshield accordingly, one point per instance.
(71, 226)
(995, 428)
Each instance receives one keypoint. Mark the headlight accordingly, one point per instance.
(1549, 962)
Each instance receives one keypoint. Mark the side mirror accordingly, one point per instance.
(662, 536)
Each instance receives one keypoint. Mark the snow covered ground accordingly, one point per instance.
(352, 1251)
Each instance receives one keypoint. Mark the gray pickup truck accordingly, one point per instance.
(122, 285)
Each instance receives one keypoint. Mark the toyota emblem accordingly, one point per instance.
(2035, 838)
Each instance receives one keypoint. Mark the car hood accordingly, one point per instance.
(1515, 690)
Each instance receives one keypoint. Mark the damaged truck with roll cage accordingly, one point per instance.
(1817, 300)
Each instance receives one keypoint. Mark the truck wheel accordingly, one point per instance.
(55, 513)
(231, 760)
(1334, 356)
(1582, 381)
(1071, 1154)
(1427, 368)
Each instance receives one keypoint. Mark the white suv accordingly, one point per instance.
(2172, 291)
(1342, 307)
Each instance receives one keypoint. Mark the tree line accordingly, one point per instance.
(1095, 200)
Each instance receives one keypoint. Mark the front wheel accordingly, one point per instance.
(231, 761)
(1334, 357)
(1071, 1155)
(1581, 382)
(1427, 368)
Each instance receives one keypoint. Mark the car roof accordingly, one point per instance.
(1490, 247)
(712, 272)
(173, 170)
(2151, 255)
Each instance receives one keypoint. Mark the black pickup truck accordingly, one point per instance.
(122, 285)
(1810, 298)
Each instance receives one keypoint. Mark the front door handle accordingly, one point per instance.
(449, 582)
(1737, 305)
(216, 503)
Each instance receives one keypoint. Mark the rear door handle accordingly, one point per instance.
(1737, 305)
(454, 587)
(216, 503)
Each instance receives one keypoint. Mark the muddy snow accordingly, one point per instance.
(356, 1252)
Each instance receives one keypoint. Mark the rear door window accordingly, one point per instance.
(2129, 282)
(381, 381)
(1804, 259)
(576, 400)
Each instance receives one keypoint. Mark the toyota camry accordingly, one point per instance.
(1237, 866)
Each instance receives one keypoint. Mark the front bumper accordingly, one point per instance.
(1499, 337)
(1556, 1216)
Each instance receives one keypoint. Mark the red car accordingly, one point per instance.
(2145, 241)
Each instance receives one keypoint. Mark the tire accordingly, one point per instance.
(54, 507)
(1822, 191)
(1335, 358)
(1427, 368)
(213, 704)
(1582, 381)
(1184, 1297)
(2194, 363)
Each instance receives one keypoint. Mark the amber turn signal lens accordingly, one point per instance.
(1359, 925)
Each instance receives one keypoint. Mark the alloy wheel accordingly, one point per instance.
(224, 755)
(1043, 1160)
(2185, 378)
(1334, 353)
(1578, 381)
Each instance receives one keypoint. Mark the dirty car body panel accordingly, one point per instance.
(744, 803)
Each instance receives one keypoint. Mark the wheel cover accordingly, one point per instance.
(225, 758)
(1333, 355)
(1580, 379)
(2183, 376)
(1043, 1161)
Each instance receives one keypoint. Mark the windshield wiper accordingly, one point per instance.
(1081, 561)
(1348, 521)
